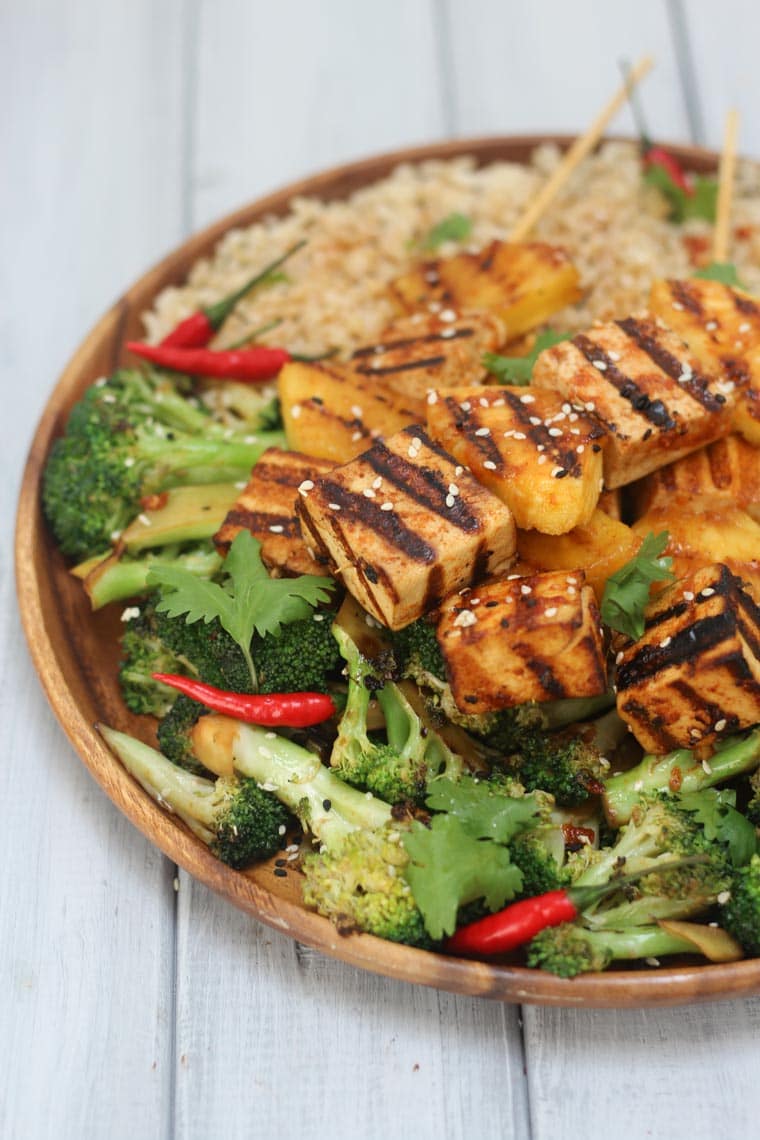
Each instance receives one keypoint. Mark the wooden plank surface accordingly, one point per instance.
(130, 122)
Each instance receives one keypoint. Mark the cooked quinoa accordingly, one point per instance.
(611, 223)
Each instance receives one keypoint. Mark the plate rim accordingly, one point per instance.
(33, 553)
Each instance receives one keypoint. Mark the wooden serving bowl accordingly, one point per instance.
(76, 654)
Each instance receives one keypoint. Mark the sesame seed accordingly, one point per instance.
(541, 459)
(723, 897)
(413, 452)
(665, 642)
(276, 528)
(386, 506)
(707, 592)
(720, 724)
(551, 612)
(368, 493)
(295, 411)
(525, 590)
(474, 601)
(317, 617)
(711, 326)
(600, 364)
(572, 581)
(520, 435)
(571, 591)
(453, 489)
(677, 306)
(450, 500)
(688, 596)
(567, 408)
(378, 482)
(581, 448)
(434, 306)
(510, 433)
(652, 961)
(356, 436)
(447, 315)
(706, 767)
(556, 472)
(512, 577)
(465, 618)
(458, 470)
(465, 405)
(527, 399)
(334, 506)
(143, 518)
(130, 612)
(483, 402)
(306, 486)
(555, 432)
(432, 398)
(483, 431)
(619, 657)
(281, 829)
(573, 417)
(745, 327)
(448, 333)
(489, 465)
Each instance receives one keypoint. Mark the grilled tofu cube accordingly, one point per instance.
(695, 674)
(521, 283)
(421, 352)
(721, 326)
(267, 508)
(332, 412)
(522, 639)
(705, 530)
(598, 548)
(541, 455)
(729, 467)
(645, 386)
(404, 526)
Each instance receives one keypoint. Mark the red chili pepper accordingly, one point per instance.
(197, 330)
(247, 364)
(521, 921)
(286, 710)
(658, 156)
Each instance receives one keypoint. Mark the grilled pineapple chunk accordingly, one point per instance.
(421, 352)
(404, 526)
(645, 386)
(267, 508)
(695, 674)
(705, 530)
(598, 548)
(521, 283)
(538, 453)
(729, 467)
(522, 639)
(721, 325)
(333, 413)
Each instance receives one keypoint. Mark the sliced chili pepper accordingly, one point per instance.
(247, 364)
(197, 329)
(521, 921)
(288, 710)
(658, 156)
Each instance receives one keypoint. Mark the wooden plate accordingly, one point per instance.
(76, 653)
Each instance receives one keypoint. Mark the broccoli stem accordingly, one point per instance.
(678, 771)
(569, 949)
(201, 459)
(321, 801)
(113, 579)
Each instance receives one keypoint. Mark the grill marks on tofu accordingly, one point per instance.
(522, 284)
(729, 467)
(645, 386)
(535, 638)
(417, 353)
(334, 413)
(721, 325)
(695, 674)
(538, 453)
(404, 526)
(267, 508)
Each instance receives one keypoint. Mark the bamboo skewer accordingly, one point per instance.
(726, 172)
(582, 146)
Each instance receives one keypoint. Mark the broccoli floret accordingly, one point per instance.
(361, 886)
(174, 731)
(540, 856)
(153, 642)
(740, 915)
(303, 657)
(571, 949)
(679, 770)
(563, 765)
(417, 653)
(396, 770)
(131, 435)
(239, 821)
(323, 803)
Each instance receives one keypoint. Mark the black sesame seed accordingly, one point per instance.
(561, 473)
(595, 447)
(280, 873)
(280, 862)
(326, 804)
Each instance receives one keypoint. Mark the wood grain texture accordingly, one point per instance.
(74, 654)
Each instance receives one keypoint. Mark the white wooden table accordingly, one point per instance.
(135, 1003)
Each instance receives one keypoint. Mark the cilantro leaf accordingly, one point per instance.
(723, 271)
(248, 601)
(448, 868)
(701, 204)
(519, 369)
(454, 227)
(484, 811)
(626, 592)
(715, 810)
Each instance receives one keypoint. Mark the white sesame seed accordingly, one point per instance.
(447, 315)
(130, 612)
(317, 617)
(483, 431)
(465, 405)
(720, 724)
(276, 528)
(572, 581)
(525, 590)
(432, 398)
(483, 402)
(706, 767)
(520, 435)
(677, 306)
(386, 506)
(368, 493)
(688, 596)
(551, 612)
(378, 482)
(619, 657)
(434, 306)
(573, 417)
(295, 411)
(489, 465)
(590, 406)
(711, 326)
(306, 486)
(652, 961)
(581, 448)
(527, 399)
(512, 577)
(450, 500)
(665, 642)
(600, 364)
(453, 489)
(356, 436)
(458, 470)
(413, 452)
(509, 434)
(465, 618)
(723, 897)
(143, 518)
(334, 506)
(555, 432)
(556, 471)
(571, 591)
(707, 592)
(447, 334)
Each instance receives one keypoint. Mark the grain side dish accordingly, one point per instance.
(438, 558)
